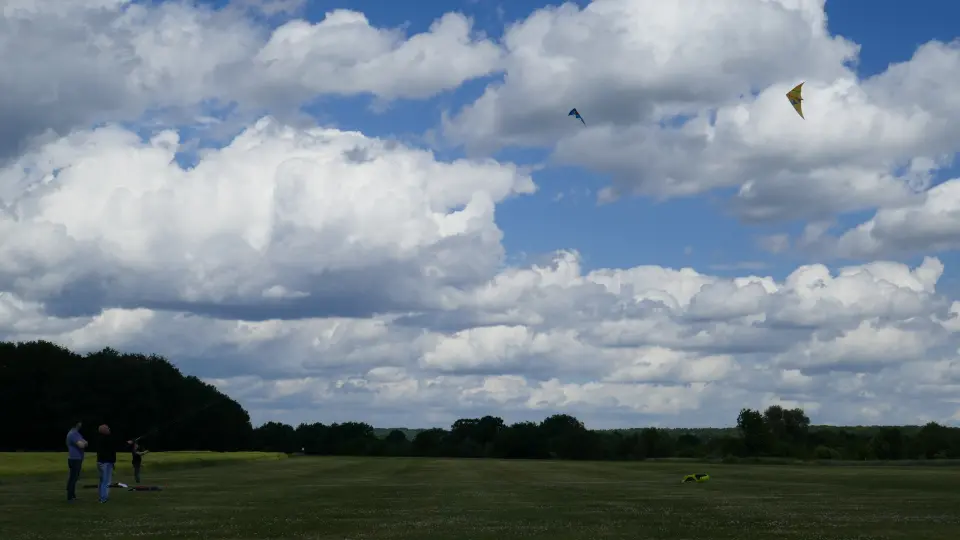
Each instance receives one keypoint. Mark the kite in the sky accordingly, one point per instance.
(573, 112)
(795, 98)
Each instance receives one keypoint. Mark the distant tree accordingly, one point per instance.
(934, 441)
(689, 445)
(353, 439)
(275, 437)
(474, 437)
(522, 440)
(565, 436)
(887, 444)
(313, 438)
(754, 432)
(396, 444)
(655, 443)
(788, 430)
(628, 445)
(430, 442)
(824, 452)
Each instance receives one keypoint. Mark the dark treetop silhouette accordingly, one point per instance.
(137, 394)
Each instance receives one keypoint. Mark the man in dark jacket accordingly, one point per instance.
(106, 460)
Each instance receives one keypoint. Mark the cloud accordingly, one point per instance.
(932, 225)
(863, 349)
(631, 62)
(663, 345)
(685, 99)
(272, 7)
(115, 60)
(343, 54)
(280, 223)
(774, 243)
(305, 269)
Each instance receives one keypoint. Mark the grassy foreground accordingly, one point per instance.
(438, 499)
(36, 463)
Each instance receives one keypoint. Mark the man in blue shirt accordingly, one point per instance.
(75, 448)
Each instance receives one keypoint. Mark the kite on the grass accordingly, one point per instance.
(698, 478)
(795, 98)
(575, 113)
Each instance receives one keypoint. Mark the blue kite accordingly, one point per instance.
(573, 112)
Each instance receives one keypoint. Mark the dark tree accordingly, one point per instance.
(430, 442)
(522, 440)
(754, 432)
(396, 444)
(52, 388)
(45, 389)
(313, 439)
(276, 437)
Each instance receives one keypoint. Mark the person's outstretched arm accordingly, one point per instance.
(77, 439)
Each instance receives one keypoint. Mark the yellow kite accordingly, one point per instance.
(795, 98)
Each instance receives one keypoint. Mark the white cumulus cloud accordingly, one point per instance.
(303, 268)
(684, 98)
(69, 64)
(280, 217)
(639, 346)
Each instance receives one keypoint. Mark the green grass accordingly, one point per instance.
(436, 499)
(38, 463)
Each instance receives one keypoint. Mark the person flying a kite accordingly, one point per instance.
(795, 98)
(576, 114)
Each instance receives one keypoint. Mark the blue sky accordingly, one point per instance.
(632, 231)
(280, 283)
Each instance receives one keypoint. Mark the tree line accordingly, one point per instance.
(774, 433)
(47, 388)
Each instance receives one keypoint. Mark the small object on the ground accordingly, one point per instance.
(113, 485)
(145, 488)
(127, 487)
(698, 478)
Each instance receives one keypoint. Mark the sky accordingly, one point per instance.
(339, 211)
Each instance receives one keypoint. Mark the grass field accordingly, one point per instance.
(38, 463)
(436, 499)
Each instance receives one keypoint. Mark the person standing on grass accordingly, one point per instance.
(76, 445)
(106, 461)
(137, 458)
